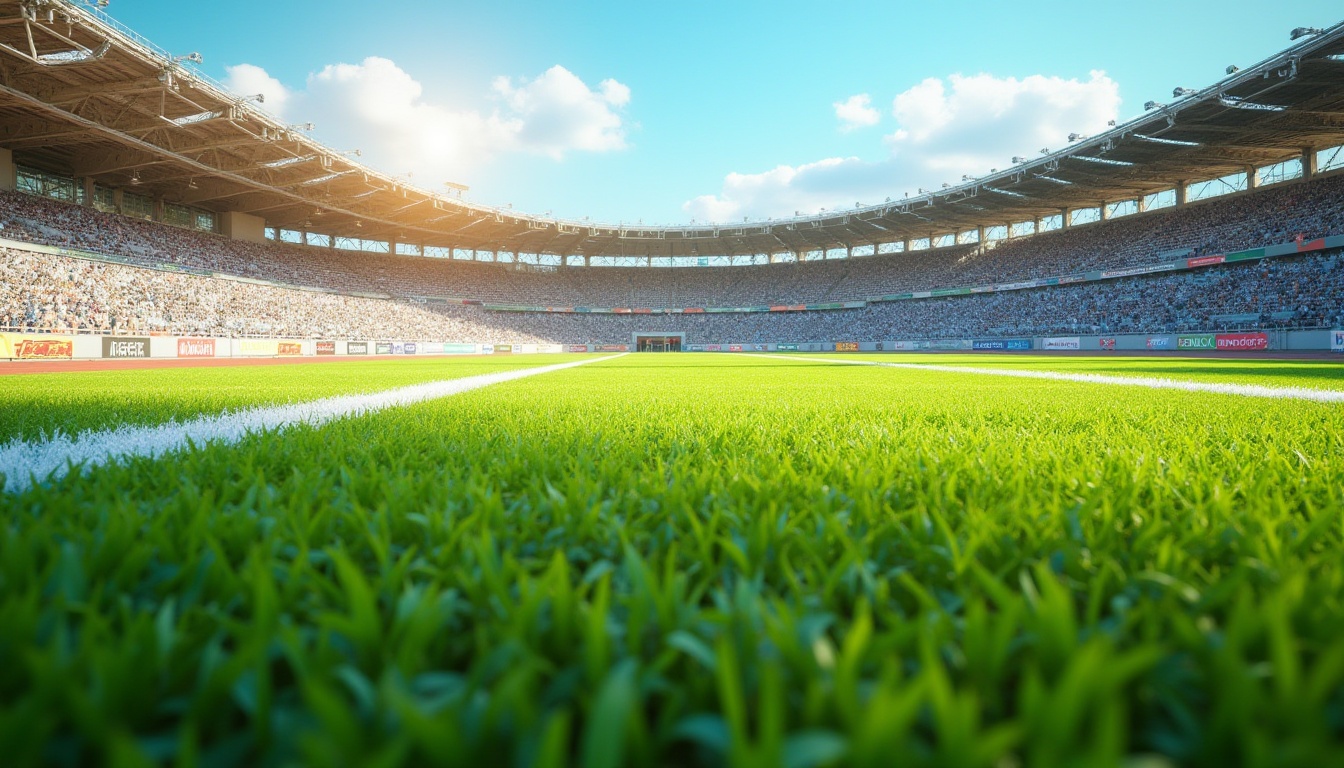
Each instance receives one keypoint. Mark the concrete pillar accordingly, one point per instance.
(158, 209)
(392, 246)
(9, 175)
(905, 245)
(1308, 163)
(89, 189)
(980, 235)
(849, 251)
(244, 226)
(1064, 222)
(119, 201)
(1141, 203)
(1180, 193)
(1252, 179)
(1101, 211)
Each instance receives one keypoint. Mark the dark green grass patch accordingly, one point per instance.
(744, 562)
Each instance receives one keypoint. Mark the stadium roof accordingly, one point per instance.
(84, 96)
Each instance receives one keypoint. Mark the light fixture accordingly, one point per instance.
(1111, 123)
(946, 185)
(1076, 136)
(1149, 106)
(1302, 32)
(194, 57)
(302, 127)
(967, 177)
(135, 178)
(1017, 159)
(1232, 69)
(1178, 92)
(191, 184)
(1045, 151)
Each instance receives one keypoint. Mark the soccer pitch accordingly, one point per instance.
(711, 559)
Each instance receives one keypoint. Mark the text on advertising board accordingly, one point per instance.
(125, 346)
(846, 346)
(14, 345)
(356, 347)
(1242, 341)
(195, 347)
(326, 347)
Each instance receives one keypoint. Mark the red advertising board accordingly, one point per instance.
(846, 346)
(1204, 261)
(326, 347)
(734, 347)
(614, 348)
(578, 347)
(195, 347)
(1242, 341)
(291, 348)
(1107, 343)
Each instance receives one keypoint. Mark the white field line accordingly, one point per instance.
(1243, 390)
(26, 463)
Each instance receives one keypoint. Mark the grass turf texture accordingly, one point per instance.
(40, 404)
(699, 559)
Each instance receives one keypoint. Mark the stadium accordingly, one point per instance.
(305, 464)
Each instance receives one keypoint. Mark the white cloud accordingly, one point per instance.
(379, 108)
(856, 112)
(946, 128)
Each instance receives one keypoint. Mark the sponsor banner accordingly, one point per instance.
(551, 349)
(904, 346)
(1205, 261)
(945, 344)
(614, 348)
(459, 349)
(38, 346)
(1138, 270)
(713, 348)
(1159, 342)
(1196, 341)
(786, 347)
(695, 347)
(195, 347)
(1337, 341)
(356, 347)
(289, 348)
(528, 349)
(1242, 341)
(382, 348)
(846, 346)
(1107, 343)
(409, 348)
(734, 347)
(326, 347)
(125, 346)
(269, 348)
(578, 347)
(761, 347)
(999, 344)
(1062, 342)
(398, 348)
(503, 349)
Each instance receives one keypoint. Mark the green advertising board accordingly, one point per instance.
(459, 349)
(786, 347)
(1197, 341)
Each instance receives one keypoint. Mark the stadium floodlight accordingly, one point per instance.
(1018, 159)
(194, 57)
(1045, 150)
(191, 184)
(260, 98)
(135, 178)
(1232, 69)
(946, 185)
(1161, 140)
(1178, 92)
(967, 177)
(1301, 32)
(1076, 136)
(1149, 106)
(302, 127)
(1111, 123)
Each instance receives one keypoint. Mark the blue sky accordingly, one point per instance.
(669, 112)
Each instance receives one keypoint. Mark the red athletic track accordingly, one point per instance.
(19, 367)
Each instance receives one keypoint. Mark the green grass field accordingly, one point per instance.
(686, 560)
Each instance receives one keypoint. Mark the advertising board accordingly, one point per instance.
(288, 348)
(945, 344)
(846, 346)
(904, 346)
(713, 348)
(578, 347)
(734, 347)
(786, 347)
(1106, 343)
(550, 349)
(408, 348)
(999, 344)
(1242, 341)
(503, 349)
(36, 346)
(1196, 341)
(356, 347)
(195, 347)
(382, 348)
(125, 346)
(326, 347)
(528, 349)
(1159, 342)
(695, 347)
(459, 349)
(1337, 341)
(1062, 342)
(614, 348)
(1204, 261)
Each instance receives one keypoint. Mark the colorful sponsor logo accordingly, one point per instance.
(614, 348)
(1337, 341)
(398, 347)
(904, 346)
(1107, 343)
(1197, 341)
(1159, 342)
(39, 348)
(1062, 342)
(695, 347)
(846, 346)
(1205, 261)
(356, 347)
(503, 349)
(125, 346)
(382, 348)
(713, 348)
(289, 348)
(409, 348)
(1242, 341)
(999, 344)
(195, 347)
(326, 347)
(734, 347)
(578, 347)
(786, 347)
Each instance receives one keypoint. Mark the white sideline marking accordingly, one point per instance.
(1243, 390)
(25, 464)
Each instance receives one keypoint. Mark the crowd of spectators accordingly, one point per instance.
(144, 294)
